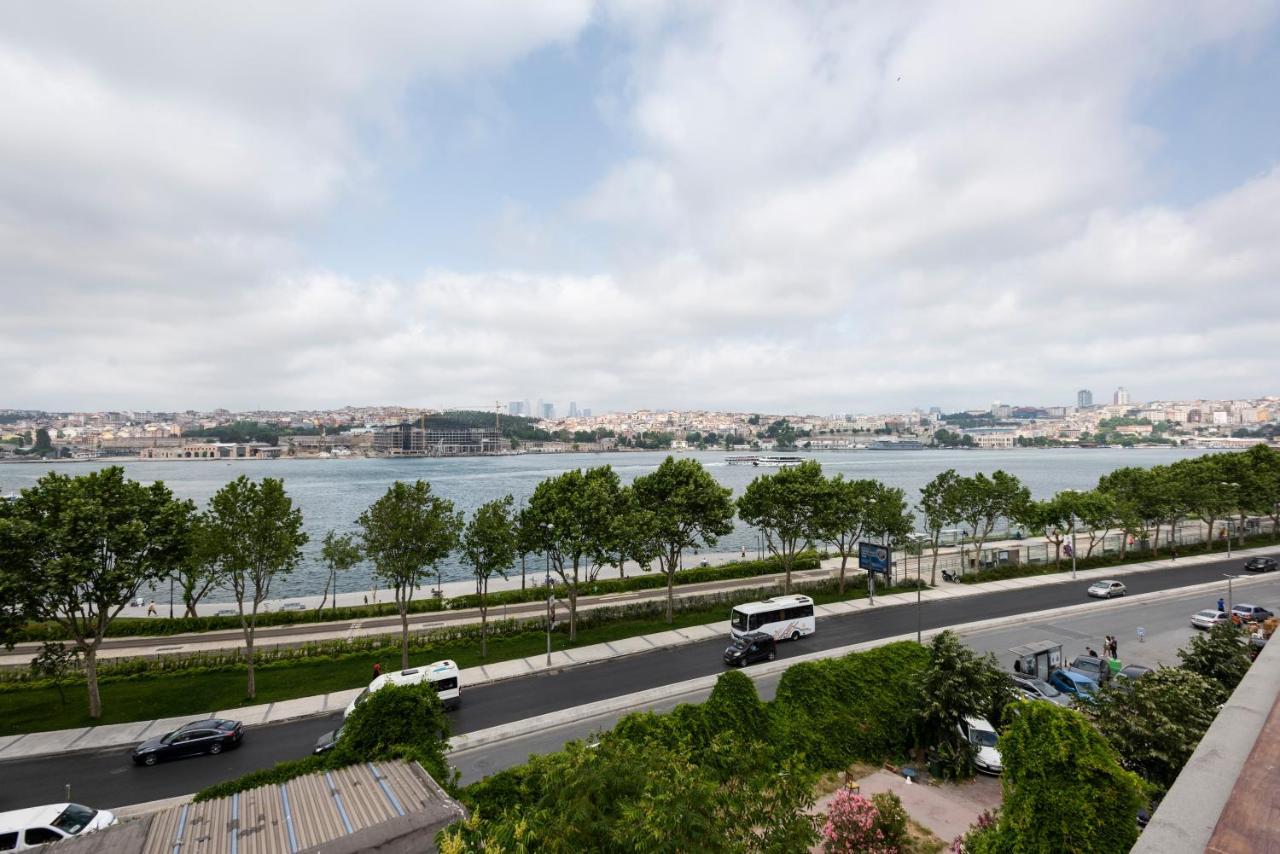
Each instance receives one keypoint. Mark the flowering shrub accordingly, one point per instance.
(853, 825)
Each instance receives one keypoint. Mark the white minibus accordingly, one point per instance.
(782, 616)
(443, 676)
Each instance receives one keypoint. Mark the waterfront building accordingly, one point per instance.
(1084, 398)
(405, 438)
(213, 451)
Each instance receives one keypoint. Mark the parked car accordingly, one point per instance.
(982, 735)
(1208, 618)
(1074, 685)
(751, 647)
(36, 826)
(1250, 613)
(1092, 666)
(1261, 564)
(293, 606)
(1133, 671)
(1038, 689)
(209, 736)
(328, 741)
(226, 612)
(1106, 589)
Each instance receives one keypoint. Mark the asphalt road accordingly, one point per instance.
(109, 779)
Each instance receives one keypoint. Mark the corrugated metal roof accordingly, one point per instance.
(297, 815)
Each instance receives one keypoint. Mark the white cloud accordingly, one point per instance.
(817, 207)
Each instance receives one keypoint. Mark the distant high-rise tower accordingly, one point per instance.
(548, 411)
(1121, 397)
(1084, 398)
(515, 407)
(573, 409)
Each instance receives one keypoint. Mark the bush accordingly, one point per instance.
(735, 706)
(859, 707)
(1218, 655)
(853, 826)
(396, 722)
(892, 820)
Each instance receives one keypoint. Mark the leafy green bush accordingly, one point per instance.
(859, 707)
(1064, 787)
(957, 683)
(396, 722)
(1218, 655)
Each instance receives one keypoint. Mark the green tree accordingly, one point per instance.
(406, 533)
(940, 506)
(397, 720)
(1052, 518)
(785, 507)
(1155, 722)
(1064, 787)
(573, 514)
(488, 547)
(688, 509)
(982, 501)
(81, 548)
(196, 572)
(1097, 514)
(339, 553)
(888, 520)
(257, 535)
(55, 662)
(842, 516)
(957, 683)
(43, 444)
(1218, 655)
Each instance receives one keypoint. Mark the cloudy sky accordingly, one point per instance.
(797, 207)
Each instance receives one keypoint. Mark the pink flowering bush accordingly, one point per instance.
(853, 825)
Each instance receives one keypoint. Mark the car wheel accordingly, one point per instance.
(215, 748)
(772, 655)
(149, 759)
(795, 636)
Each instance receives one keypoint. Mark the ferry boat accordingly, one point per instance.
(898, 445)
(741, 460)
(778, 462)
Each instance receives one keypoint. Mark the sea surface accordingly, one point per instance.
(332, 493)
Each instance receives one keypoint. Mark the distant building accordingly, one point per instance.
(1121, 397)
(548, 411)
(405, 438)
(213, 451)
(1084, 398)
(515, 407)
(586, 413)
(573, 409)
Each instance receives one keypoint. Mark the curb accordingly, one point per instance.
(689, 635)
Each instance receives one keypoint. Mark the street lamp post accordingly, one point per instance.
(1073, 546)
(1229, 579)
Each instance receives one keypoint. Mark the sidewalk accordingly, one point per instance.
(119, 735)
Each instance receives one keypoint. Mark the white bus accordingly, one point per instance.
(442, 675)
(782, 616)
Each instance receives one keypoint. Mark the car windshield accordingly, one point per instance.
(739, 643)
(74, 818)
(982, 737)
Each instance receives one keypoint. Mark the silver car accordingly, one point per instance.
(1106, 589)
(1208, 618)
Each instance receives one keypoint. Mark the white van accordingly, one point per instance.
(34, 826)
(443, 676)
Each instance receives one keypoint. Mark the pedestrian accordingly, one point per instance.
(366, 599)
(151, 608)
(1115, 647)
(377, 670)
(1222, 605)
(1091, 651)
(744, 551)
(1173, 552)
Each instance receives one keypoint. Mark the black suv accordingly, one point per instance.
(756, 646)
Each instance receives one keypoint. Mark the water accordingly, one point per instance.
(333, 493)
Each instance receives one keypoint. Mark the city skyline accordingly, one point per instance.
(636, 205)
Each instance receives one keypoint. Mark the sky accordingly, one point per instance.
(750, 206)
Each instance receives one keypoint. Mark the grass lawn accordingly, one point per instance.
(193, 693)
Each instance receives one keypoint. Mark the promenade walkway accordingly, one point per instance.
(119, 735)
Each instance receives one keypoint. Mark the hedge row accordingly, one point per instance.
(163, 626)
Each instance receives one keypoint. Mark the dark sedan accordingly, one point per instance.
(1261, 564)
(209, 736)
(756, 646)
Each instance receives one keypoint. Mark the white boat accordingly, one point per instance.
(778, 462)
(741, 460)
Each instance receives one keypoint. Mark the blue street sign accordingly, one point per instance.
(873, 557)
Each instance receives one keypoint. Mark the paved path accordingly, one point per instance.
(114, 735)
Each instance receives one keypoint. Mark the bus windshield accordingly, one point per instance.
(738, 620)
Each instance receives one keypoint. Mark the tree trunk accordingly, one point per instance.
(252, 690)
(325, 598)
(671, 581)
(403, 606)
(484, 617)
(933, 567)
(573, 611)
(91, 680)
(522, 572)
(1057, 554)
(844, 559)
(1208, 541)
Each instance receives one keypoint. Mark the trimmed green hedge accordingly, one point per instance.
(859, 707)
(163, 626)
